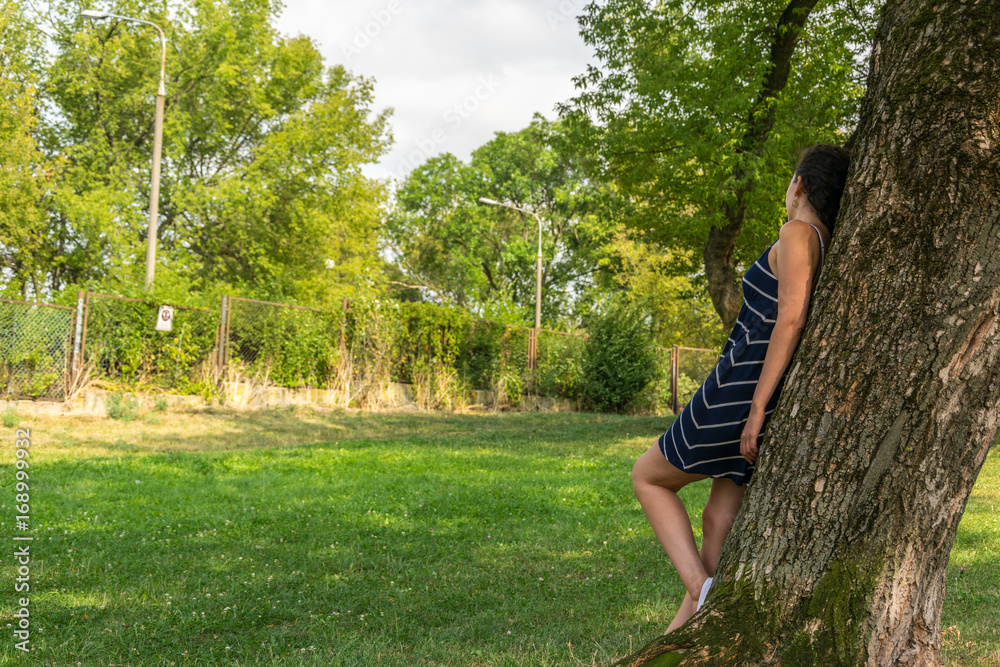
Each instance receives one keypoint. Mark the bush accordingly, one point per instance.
(125, 348)
(123, 407)
(161, 404)
(559, 365)
(10, 418)
(619, 359)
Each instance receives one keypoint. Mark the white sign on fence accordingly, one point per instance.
(165, 320)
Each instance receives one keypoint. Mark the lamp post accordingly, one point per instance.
(154, 190)
(538, 272)
(533, 340)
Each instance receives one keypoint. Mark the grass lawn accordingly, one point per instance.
(305, 538)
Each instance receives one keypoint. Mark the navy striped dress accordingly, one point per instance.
(705, 438)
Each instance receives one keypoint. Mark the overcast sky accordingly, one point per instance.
(454, 71)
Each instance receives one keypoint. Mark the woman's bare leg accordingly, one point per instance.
(656, 483)
(717, 518)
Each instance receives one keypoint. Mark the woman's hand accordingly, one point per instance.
(748, 441)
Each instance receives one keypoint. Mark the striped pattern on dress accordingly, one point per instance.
(705, 437)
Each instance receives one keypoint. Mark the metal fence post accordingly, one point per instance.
(77, 363)
(223, 335)
(675, 360)
(83, 329)
(532, 348)
(344, 307)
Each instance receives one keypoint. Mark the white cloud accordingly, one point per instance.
(454, 71)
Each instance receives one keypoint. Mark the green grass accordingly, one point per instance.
(971, 615)
(396, 539)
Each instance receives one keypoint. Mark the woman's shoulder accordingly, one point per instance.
(801, 234)
(796, 230)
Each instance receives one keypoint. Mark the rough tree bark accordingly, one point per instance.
(719, 255)
(838, 556)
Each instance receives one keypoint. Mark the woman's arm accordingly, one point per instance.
(795, 270)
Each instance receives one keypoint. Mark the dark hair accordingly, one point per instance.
(823, 170)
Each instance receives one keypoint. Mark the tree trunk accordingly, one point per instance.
(720, 263)
(838, 556)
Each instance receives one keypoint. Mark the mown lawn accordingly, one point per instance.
(304, 538)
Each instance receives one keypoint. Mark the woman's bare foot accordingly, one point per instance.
(686, 611)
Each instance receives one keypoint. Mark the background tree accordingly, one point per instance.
(703, 106)
(24, 172)
(478, 257)
(838, 556)
(458, 251)
(680, 311)
(261, 189)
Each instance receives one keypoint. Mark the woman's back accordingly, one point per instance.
(702, 438)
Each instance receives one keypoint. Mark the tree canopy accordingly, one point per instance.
(450, 248)
(479, 256)
(261, 186)
(701, 108)
(24, 171)
(681, 130)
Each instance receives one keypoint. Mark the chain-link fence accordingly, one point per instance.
(356, 351)
(280, 344)
(560, 364)
(478, 360)
(121, 344)
(36, 348)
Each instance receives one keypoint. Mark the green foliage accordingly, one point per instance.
(432, 332)
(10, 418)
(619, 359)
(560, 365)
(478, 256)
(24, 170)
(677, 89)
(263, 147)
(375, 329)
(656, 398)
(123, 407)
(124, 346)
(291, 347)
(161, 404)
(686, 387)
(478, 359)
(681, 311)
(482, 257)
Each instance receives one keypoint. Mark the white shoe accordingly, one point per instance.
(704, 592)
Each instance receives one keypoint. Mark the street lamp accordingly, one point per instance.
(538, 272)
(154, 190)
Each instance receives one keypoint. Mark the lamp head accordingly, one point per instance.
(93, 14)
(484, 200)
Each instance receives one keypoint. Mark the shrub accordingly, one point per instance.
(619, 358)
(559, 365)
(123, 407)
(125, 348)
(10, 418)
(161, 404)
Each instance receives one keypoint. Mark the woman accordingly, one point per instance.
(719, 431)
